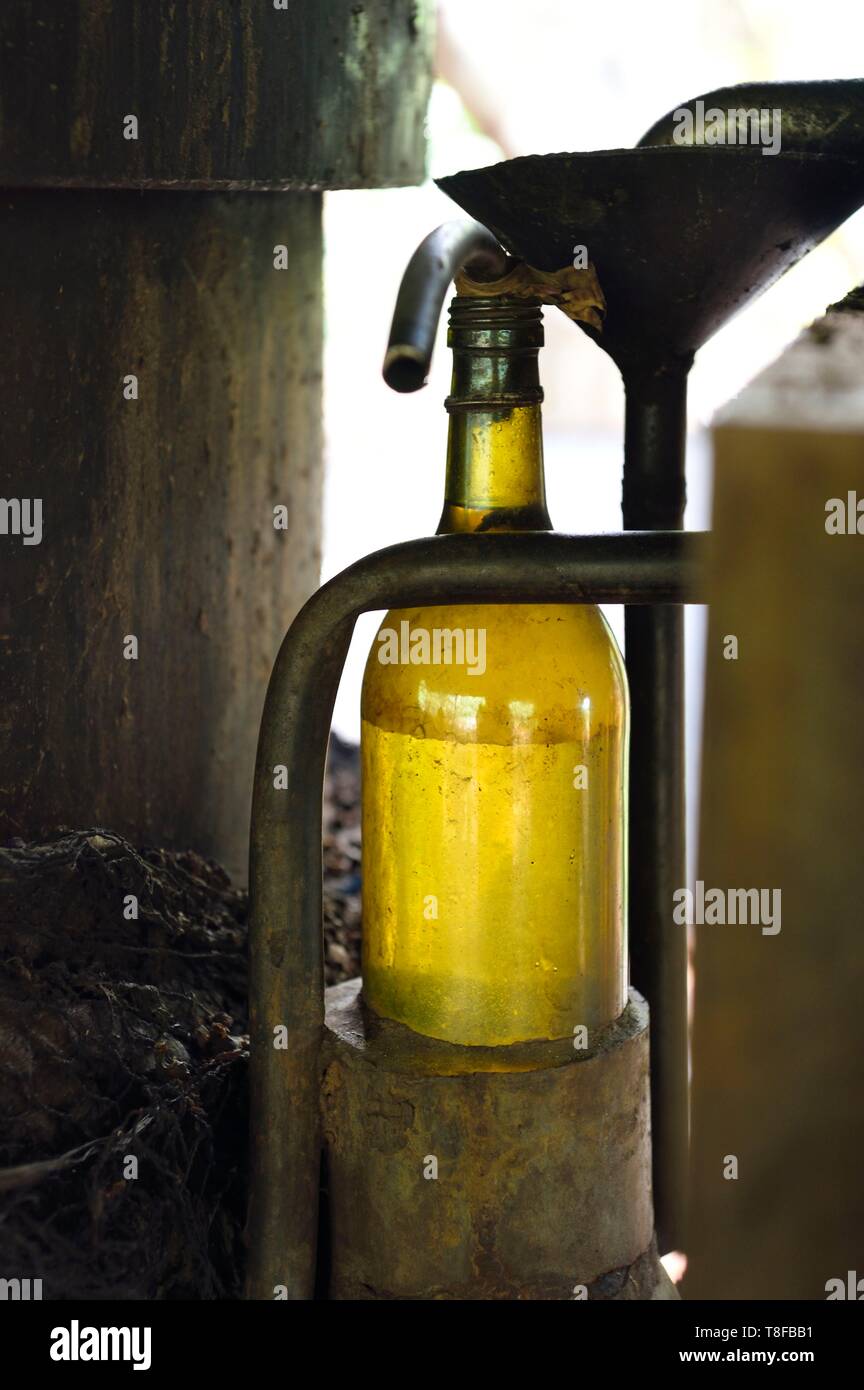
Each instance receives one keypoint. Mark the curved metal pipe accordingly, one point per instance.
(285, 938)
(453, 246)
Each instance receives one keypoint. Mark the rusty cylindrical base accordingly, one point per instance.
(448, 1177)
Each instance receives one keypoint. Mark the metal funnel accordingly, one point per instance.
(681, 237)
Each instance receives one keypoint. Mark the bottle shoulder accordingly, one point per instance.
(499, 673)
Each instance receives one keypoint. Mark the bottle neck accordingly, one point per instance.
(495, 476)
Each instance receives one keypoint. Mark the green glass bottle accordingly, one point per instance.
(494, 752)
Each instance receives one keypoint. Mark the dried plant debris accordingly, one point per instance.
(123, 1057)
(342, 863)
(122, 978)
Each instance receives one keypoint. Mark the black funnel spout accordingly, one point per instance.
(681, 237)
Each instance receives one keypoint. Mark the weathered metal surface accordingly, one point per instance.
(286, 986)
(816, 117)
(309, 95)
(681, 237)
(158, 511)
(778, 1043)
(485, 1173)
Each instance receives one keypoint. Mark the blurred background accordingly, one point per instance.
(575, 79)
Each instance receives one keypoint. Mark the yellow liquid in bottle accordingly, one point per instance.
(494, 781)
(494, 872)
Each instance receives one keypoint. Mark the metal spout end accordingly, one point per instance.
(406, 368)
(457, 245)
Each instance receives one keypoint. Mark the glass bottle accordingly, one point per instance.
(494, 752)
